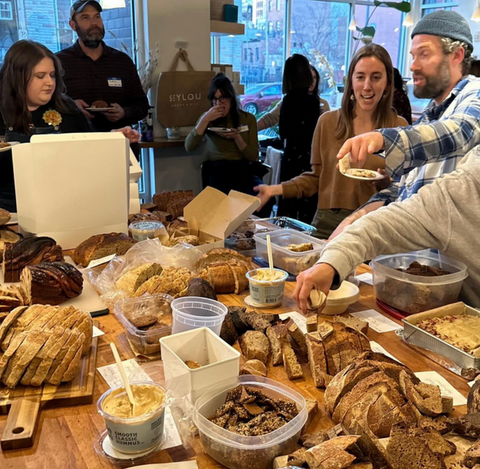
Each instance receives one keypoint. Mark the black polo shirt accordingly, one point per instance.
(112, 78)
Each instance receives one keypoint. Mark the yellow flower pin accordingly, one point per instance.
(52, 117)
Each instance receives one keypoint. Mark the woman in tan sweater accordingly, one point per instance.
(366, 105)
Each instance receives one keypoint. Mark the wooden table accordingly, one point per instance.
(65, 436)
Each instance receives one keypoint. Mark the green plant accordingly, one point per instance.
(367, 33)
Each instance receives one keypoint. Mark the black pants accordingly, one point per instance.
(241, 176)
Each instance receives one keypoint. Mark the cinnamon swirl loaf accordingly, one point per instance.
(51, 283)
(28, 251)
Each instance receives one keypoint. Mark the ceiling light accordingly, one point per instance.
(353, 24)
(476, 14)
(109, 4)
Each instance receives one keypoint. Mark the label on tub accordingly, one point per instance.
(267, 295)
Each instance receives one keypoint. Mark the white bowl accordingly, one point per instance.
(339, 300)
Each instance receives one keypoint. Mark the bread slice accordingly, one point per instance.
(239, 271)
(62, 313)
(72, 367)
(332, 454)
(85, 326)
(277, 335)
(31, 314)
(10, 320)
(332, 352)
(61, 354)
(12, 348)
(150, 286)
(36, 341)
(425, 397)
(316, 359)
(253, 367)
(75, 350)
(42, 319)
(131, 281)
(355, 323)
(297, 336)
(54, 336)
(72, 318)
(223, 279)
(45, 365)
(290, 362)
(255, 345)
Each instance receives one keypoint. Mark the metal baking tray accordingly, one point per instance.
(416, 336)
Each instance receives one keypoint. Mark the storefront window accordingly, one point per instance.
(47, 23)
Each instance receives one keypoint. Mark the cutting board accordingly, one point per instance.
(88, 301)
(23, 404)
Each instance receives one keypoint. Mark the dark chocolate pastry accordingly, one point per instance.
(51, 283)
(28, 251)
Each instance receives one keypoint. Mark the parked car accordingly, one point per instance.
(259, 97)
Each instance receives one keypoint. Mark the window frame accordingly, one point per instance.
(8, 10)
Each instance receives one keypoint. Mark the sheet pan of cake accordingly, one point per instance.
(416, 335)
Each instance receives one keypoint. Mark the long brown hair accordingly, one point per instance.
(384, 115)
(17, 69)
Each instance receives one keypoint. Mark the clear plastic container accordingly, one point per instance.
(142, 230)
(192, 312)
(266, 293)
(146, 339)
(292, 262)
(248, 452)
(414, 293)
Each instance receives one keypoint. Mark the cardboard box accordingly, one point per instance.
(72, 186)
(213, 216)
(220, 362)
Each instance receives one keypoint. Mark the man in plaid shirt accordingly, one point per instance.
(448, 128)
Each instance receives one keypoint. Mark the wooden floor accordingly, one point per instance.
(66, 436)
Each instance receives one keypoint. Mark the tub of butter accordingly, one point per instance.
(266, 288)
(139, 430)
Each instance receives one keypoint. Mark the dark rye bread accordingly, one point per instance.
(426, 397)
(102, 245)
(408, 448)
(28, 251)
(317, 359)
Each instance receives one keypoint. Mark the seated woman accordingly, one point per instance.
(32, 102)
(272, 117)
(366, 105)
(232, 149)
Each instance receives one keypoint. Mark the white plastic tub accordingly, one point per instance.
(248, 452)
(219, 362)
(339, 300)
(292, 262)
(266, 293)
(414, 293)
(192, 312)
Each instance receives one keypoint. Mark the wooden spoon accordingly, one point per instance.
(118, 360)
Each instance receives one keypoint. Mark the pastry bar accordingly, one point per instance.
(462, 331)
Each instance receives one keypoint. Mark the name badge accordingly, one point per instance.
(243, 128)
(115, 82)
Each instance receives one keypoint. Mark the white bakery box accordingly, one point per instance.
(213, 215)
(219, 362)
(72, 186)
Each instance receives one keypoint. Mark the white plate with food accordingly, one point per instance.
(220, 130)
(98, 109)
(5, 146)
(363, 174)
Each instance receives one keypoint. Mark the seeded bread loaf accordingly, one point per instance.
(255, 345)
(102, 245)
(253, 367)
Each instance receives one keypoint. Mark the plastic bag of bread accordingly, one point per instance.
(123, 276)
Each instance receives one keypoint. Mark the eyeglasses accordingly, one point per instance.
(221, 100)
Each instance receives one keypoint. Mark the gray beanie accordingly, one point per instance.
(445, 24)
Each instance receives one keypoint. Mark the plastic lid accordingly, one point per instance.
(145, 226)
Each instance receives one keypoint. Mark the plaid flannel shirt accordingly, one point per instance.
(434, 144)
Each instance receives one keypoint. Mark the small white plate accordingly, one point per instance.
(349, 174)
(10, 147)
(220, 130)
(13, 220)
(98, 109)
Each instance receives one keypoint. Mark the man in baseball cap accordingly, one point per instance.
(79, 5)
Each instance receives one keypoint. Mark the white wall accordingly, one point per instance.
(166, 22)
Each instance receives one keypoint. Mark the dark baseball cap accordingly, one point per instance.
(79, 5)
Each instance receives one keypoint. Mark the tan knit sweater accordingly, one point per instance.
(334, 189)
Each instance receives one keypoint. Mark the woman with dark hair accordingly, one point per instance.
(232, 143)
(401, 103)
(271, 118)
(366, 105)
(298, 117)
(32, 102)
